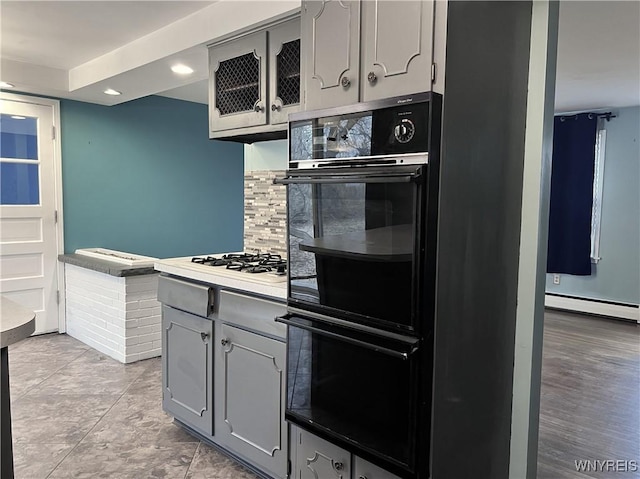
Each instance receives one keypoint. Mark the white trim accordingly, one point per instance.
(593, 307)
(57, 166)
(527, 360)
(598, 185)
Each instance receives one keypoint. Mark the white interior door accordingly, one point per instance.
(28, 232)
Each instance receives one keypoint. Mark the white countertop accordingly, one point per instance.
(16, 322)
(263, 284)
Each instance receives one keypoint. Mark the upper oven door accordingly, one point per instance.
(355, 238)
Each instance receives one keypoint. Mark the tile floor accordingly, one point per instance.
(80, 414)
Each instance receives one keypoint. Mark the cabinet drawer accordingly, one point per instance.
(191, 297)
(252, 313)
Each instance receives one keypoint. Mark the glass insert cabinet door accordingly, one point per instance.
(19, 162)
(238, 70)
(284, 71)
(353, 245)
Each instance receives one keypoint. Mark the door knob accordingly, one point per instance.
(362, 477)
(338, 466)
(258, 108)
(275, 107)
(204, 336)
(372, 77)
(224, 342)
(345, 82)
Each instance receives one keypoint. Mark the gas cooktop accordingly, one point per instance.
(246, 263)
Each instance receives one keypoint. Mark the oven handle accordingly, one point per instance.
(305, 180)
(403, 355)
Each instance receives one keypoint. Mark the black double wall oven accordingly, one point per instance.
(362, 206)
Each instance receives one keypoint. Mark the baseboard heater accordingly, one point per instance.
(593, 306)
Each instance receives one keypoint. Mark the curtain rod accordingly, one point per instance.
(607, 115)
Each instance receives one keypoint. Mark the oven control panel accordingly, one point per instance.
(365, 131)
(401, 129)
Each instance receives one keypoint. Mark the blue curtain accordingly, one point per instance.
(574, 140)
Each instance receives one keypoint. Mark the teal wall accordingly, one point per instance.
(143, 177)
(616, 277)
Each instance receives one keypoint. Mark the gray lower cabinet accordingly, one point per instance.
(315, 458)
(363, 50)
(365, 470)
(187, 392)
(249, 395)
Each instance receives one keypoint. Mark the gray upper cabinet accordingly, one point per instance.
(250, 392)
(330, 32)
(362, 50)
(254, 81)
(397, 51)
(284, 71)
(238, 83)
(187, 362)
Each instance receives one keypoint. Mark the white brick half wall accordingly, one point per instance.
(118, 316)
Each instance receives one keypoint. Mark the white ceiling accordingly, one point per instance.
(77, 49)
(598, 55)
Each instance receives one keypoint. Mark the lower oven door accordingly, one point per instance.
(355, 388)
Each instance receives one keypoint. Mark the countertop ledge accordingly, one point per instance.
(102, 266)
(16, 322)
(178, 267)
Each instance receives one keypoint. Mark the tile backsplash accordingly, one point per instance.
(265, 212)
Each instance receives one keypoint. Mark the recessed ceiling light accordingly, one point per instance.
(18, 117)
(111, 91)
(181, 69)
(4, 84)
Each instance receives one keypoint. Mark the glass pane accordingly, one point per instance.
(19, 184)
(354, 392)
(19, 137)
(238, 84)
(350, 240)
(288, 72)
(344, 136)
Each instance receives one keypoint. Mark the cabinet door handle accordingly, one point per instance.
(224, 342)
(275, 107)
(372, 77)
(204, 336)
(258, 108)
(338, 466)
(345, 82)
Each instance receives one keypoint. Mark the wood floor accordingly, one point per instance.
(590, 398)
